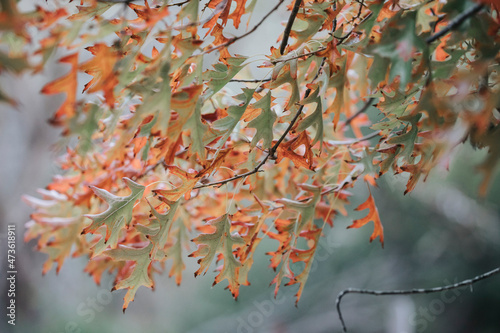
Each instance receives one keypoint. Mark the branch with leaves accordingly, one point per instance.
(168, 142)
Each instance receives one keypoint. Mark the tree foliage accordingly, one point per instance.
(160, 149)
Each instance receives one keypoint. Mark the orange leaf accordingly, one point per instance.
(238, 12)
(101, 67)
(287, 150)
(188, 182)
(66, 84)
(372, 216)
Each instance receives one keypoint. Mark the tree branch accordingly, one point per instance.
(455, 22)
(289, 25)
(178, 3)
(353, 141)
(307, 54)
(360, 111)
(273, 149)
(250, 81)
(468, 282)
(234, 39)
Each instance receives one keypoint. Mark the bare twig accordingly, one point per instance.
(336, 188)
(360, 111)
(130, 1)
(468, 282)
(289, 25)
(234, 39)
(455, 22)
(251, 81)
(178, 4)
(307, 54)
(353, 141)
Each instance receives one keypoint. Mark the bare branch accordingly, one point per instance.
(289, 25)
(468, 282)
(353, 141)
(251, 81)
(455, 22)
(307, 54)
(178, 4)
(360, 111)
(234, 39)
(130, 1)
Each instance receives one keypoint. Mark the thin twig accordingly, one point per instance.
(307, 54)
(250, 81)
(274, 148)
(468, 282)
(234, 39)
(178, 4)
(342, 39)
(455, 22)
(289, 25)
(327, 190)
(353, 141)
(360, 111)
(227, 180)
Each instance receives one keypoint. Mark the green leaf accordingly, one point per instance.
(13, 64)
(157, 102)
(140, 274)
(86, 128)
(234, 114)
(290, 77)
(396, 105)
(407, 139)
(222, 74)
(305, 209)
(315, 119)
(220, 241)
(264, 122)
(378, 70)
(118, 214)
(398, 44)
(174, 252)
(198, 130)
(312, 25)
(164, 221)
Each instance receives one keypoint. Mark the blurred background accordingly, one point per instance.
(438, 234)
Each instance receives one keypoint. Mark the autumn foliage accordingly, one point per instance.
(169, 163)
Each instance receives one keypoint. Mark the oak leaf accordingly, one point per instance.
(220, 241)
(372, 216)
(118, 214)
